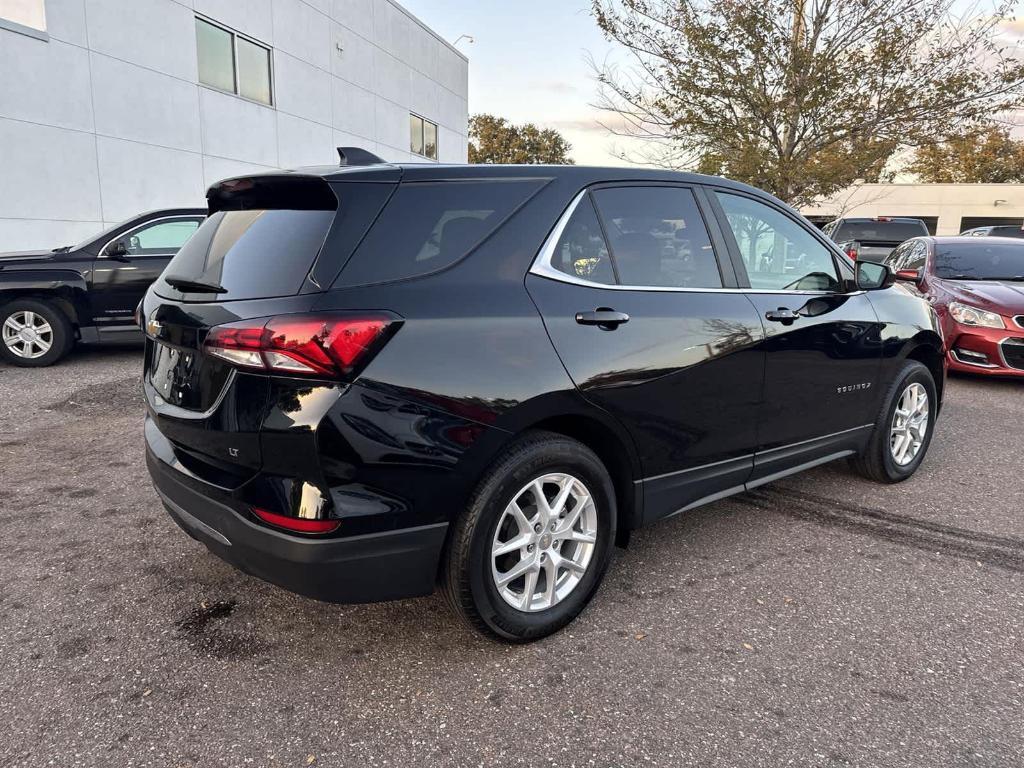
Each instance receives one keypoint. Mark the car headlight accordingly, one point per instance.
(967, 315)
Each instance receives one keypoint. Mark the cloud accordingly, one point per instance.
(1014, 27)
(601, 123)
(553, 86)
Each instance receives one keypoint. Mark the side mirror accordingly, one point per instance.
(909, 275)
(117, 250)
(873, 277)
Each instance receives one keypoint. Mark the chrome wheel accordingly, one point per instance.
(27, 334)
(909, 424)
(544, 542)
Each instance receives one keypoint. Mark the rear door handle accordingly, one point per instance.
(782, 315)
(603, 318)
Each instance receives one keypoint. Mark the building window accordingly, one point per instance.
(231, 62)
(27, 16)
(422, 137)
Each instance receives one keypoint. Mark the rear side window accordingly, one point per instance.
(251, 253)
(429, 226)
(657, 237)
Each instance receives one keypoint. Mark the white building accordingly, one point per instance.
(947, 209)
(113, 107)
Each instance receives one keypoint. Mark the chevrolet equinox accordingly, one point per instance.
(364, 381)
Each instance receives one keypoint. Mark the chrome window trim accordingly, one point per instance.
(127, 232)
(542, 267)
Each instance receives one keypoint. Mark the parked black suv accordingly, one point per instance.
(362, 382)
(86, 292)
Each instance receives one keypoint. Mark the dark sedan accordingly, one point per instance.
(977, 288)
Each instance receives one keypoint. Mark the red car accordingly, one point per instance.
(977, 288)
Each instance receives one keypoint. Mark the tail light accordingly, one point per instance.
(332, 346)
(296, 524)
(852, 253)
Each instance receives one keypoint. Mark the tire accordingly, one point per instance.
(470, 570)
(877, 461)
(59, 335)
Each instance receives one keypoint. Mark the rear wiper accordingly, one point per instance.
(185, 285)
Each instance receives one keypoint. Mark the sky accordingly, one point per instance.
(529, 64)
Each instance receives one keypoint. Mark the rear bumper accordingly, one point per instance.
(357, 569)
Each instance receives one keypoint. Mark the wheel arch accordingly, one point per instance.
(927, 348)
(67, 291)
(615, 450)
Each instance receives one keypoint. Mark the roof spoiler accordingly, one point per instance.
(350, 156)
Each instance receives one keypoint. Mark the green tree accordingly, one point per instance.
(988, 155)
(495, 140)
(801, 97)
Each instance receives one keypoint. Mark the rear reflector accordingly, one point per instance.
(296, 524)
(311, 345)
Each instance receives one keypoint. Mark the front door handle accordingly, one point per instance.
(782, 315)
(604, 318)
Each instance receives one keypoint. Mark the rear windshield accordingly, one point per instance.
(884, 231)
(428, 226)
(1007, 232)
(251, 254)
(980, 259)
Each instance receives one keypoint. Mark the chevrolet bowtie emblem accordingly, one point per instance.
(153, 326)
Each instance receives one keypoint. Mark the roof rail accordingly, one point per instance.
(357, 156)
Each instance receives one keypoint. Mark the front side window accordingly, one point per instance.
(233, 63)
(916, 256)
(892, 261)
(24, 13)
(422, 137)
(779, 254)
(161, 238)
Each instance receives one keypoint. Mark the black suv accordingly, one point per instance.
(87, 292)
(362, 382)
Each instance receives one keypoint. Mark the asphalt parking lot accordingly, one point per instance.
(821, 621)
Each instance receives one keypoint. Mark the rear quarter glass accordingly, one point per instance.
(252, 254)
(429, 226)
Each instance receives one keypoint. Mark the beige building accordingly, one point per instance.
(947, 209)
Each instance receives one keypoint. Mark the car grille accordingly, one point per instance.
(1013, 353)
(1019, 320)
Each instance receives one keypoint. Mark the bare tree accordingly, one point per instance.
(801, 97)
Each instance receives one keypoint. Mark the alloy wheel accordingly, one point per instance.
(909, 424)
(544, 542)
(27, 334)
